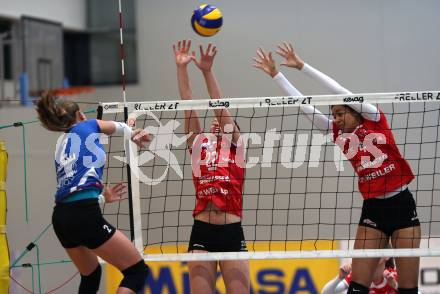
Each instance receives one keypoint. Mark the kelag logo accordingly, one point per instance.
(354, 99)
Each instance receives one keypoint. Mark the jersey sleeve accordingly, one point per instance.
(96, 125)
(92, 126)
(332, 85)
(317, 118)
(334, 286)
(381, 123)
(367, 110)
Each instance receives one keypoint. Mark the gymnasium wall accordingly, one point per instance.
(70, 13)
(368, 46)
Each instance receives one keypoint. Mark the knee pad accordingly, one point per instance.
(135, 276)
(90, 284)
(409, 290)
(356, 288)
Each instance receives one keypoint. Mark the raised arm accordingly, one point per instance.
(334, 286)
(182, 58)
(292, 59)
(265, 62)
(222, 114)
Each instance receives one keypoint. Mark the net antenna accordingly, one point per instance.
(130, 150)
(290, 206)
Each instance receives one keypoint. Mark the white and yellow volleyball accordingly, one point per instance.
(207, 20)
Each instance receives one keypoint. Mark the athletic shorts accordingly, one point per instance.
(390, 214)
(80, 223)
(217, 238)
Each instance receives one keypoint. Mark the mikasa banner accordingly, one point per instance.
(267, 276)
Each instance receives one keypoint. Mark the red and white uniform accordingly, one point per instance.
(220, 179)
(375, 157)
(378, 288)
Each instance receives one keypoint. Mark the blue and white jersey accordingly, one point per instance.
(79, 159)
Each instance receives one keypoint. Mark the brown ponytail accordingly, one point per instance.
(390, 263)
(56, 114)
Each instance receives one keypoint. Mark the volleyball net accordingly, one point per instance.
(300, 191)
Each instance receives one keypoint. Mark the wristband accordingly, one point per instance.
(101, 199)
(122, 129)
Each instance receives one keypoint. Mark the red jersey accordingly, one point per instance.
(217, 177)
(374, 155)
(378, 288)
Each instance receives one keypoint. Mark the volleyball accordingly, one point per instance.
(207, 20)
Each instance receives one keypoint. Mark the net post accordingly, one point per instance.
(134, 202)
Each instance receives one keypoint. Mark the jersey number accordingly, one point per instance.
(107, 228)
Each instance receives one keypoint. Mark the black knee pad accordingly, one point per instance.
(409, 290)
(135, 276)
(356, 288)
(90, 284)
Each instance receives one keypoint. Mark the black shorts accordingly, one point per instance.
(390, 214)
(217, 238)
(80, 223)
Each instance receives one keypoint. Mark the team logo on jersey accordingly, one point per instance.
(199, 246)
(66, 167)
(414, 217)
(243, 246)
(369, 222)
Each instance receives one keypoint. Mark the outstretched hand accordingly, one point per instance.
(265, 62)
(344, 270)
(115, 193)
(286, 51)
(206, 58)
(181, 53)
(140, 137)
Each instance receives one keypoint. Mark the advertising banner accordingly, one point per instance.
(267, 276)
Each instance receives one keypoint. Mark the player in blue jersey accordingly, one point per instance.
(77, 218)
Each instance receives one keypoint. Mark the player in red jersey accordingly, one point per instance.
(218, 179)
(384, 279)
(364, 135)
